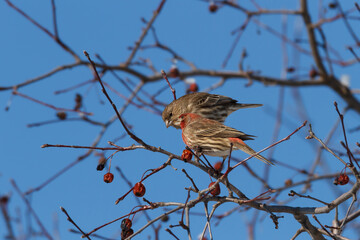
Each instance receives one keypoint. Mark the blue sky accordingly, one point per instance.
(108, 28)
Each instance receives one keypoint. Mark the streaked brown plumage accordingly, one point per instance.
(214, 138)
(211, 106)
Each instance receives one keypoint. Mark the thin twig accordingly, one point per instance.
(133, 136)
(344, 132)
(353, 53)
(54, 37)
(293, 193)
(4, 200)
(72, 221)
(167, 80)
(171, 233)
(317, 220)
(192, 181)
(312, 38)
(54, 19)
(236, 41)
(312, 135)
(272, 145)
(15, 92)
(32, 211)
(137, 199)
(144, 32)
(348, 211)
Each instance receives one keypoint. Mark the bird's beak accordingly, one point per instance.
(167, 123)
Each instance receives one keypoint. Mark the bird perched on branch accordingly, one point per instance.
(211, 106)
(214, 138)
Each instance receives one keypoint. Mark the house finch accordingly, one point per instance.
(207, 105)
(214, 138)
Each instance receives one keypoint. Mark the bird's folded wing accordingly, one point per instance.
(219, 131)
(213, 99)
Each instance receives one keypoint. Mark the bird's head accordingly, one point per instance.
(171, 114)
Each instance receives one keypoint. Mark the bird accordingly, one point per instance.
(211, 106)
(213, 138)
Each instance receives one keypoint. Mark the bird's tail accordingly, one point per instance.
(245, 148)
(245, 105)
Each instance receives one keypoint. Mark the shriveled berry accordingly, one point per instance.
(174, 72)
(343, 179)
(216, 190)
(78, 98)
(139, 189)
(126, 224)
(61, 115)
(165, 218)
(332, 5)
(193, 88)
(126, 234)
(290, 69)
(288, 182)
(101, 163)
(78, 102)
(4, 200)
(108, 177)
(100, 167)
(213, 7)
(186, 155)
(218, 166)
(313, 73)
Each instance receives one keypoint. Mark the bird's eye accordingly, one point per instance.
(170, 115)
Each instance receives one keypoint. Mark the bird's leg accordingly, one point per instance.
(226, 180)
(198, 153)
(224, 157)
(209, 165)
(223, 161)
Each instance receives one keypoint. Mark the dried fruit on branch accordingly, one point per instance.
(216, 190)
(174, 72)
(108, 177)
(213, 7)
(61, 115)
(126, 224)
(218, 166)
(186, 155)
(127, 233)
(139, 189)
(343, 179)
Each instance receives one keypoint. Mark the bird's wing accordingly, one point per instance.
(215, 129)
(207, 100)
